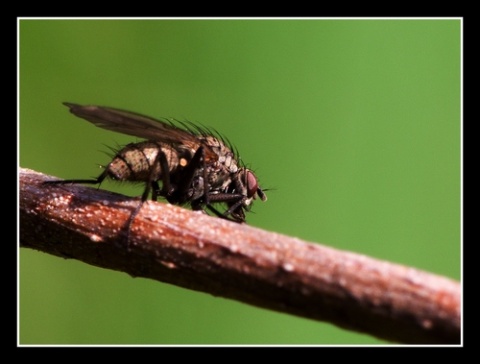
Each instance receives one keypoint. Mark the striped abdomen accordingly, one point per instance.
(135, 162)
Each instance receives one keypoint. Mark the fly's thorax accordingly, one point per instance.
(226, 158)
(135, 161)
(220, 172)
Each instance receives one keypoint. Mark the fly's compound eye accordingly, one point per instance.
(252, 184)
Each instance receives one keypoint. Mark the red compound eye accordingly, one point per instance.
(252, 184)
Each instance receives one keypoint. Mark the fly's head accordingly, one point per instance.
(249, 184)
(245, 183)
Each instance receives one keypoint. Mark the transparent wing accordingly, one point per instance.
(138, 125)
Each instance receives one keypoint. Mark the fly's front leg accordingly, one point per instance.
(234, 201)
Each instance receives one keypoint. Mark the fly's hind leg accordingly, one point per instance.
(95, 181)
(152, 184)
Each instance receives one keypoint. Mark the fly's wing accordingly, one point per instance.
(138, 125)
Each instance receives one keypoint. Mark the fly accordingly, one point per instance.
(193, 165)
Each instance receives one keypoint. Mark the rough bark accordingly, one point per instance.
(199, 252)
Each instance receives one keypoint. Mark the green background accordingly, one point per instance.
(354, 126)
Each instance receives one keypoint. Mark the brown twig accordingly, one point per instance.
(237, 261)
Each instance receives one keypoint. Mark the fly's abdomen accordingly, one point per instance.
(137, 161)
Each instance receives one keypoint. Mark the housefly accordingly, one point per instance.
(193, 165)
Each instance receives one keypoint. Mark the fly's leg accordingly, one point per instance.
(95, 181)
(239, 218)
(152, 184)
(234, 200)
(167, 188)
(185, 183)
(155, 191)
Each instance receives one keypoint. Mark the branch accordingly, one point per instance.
(192, 250)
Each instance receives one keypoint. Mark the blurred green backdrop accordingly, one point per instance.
(354, 125)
